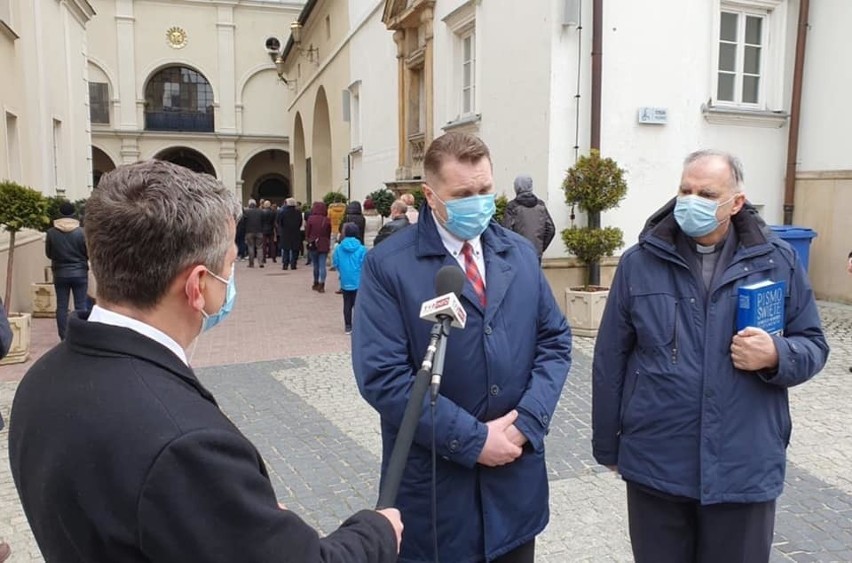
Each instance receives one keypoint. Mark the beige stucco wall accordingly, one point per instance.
(226, 43)
(326, 78)
(824, 203)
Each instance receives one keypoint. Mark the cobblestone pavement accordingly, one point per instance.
(289, 387)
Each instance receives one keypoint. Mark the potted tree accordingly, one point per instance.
(593, 184)
(382, 198)
(20, 208)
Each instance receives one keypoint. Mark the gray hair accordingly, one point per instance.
(291, 201)
(398, 207)
(734, 164)
(147, 222)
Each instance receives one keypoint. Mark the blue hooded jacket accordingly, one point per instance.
(514, 353)
(348, 258)
(668, 405)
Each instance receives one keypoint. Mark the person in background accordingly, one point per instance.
(254, 232)
(528, 216)
(289, 225)
(318, 235)
(372, 223)
(411, 212)
(305, 238)
(268, 230)
(356, 216)
(5, 345)
(502, 377)
(242, 247)
(399, 220)
(118, 452)
(65, 246)
(348, 258)
(692, 413)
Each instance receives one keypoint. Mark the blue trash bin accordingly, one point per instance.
(798, 237)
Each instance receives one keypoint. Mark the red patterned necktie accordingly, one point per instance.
(472, 273)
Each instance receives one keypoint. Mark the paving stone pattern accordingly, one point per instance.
(321, 441)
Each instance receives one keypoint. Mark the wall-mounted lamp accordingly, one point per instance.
(311, 53)
(279, 68)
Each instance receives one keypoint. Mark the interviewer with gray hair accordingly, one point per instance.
(118, 452)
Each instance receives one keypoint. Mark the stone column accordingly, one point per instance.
(227, 81)
(402, 103)
(228, 165)
(125, 30)
(426, 19)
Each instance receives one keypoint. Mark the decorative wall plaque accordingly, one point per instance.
(177, 37)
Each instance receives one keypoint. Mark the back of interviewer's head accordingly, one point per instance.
(148, 222)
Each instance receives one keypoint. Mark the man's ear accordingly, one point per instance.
(739, 203)
(194, 287)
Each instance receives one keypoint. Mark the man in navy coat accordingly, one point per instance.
(692, 412)
(118, 451)
(503, 375)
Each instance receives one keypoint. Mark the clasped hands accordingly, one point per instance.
(504, 442)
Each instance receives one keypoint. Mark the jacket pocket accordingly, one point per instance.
(627, 401)
(654, 317)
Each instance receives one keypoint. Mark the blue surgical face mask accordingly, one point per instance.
(230, 296)
(697, 215)
(468, 217)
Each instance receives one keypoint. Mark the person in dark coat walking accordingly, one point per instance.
(354, 215)
(65, 246)
(692, 413)
(527, 215)
(318, 235)
(289, 233)
(503, 373)
(305, 237)
(254, 232)
(117, 450)
(268, 229)
(399, 220)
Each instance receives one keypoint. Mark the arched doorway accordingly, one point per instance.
(101, 164)
(321, 147)
(188, 158)
(267, 175)
(179, 98)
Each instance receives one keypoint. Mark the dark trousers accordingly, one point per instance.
(253, 242)
(290, 256)
(348, 305)
(269, 245)
(522, 554)
(64, 287)
(664, 530)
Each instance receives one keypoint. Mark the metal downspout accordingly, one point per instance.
(597, 73)
(795, 113)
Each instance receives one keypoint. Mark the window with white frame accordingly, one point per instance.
(468, 74)
(355, 114)
(748, 68)
(462, 84)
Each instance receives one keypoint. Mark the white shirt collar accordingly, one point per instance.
(104, 316)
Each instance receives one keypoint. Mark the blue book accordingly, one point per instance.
(761, 305)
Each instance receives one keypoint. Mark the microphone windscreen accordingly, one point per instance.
(450, 279)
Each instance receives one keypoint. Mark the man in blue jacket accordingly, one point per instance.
(691, 412)
(503, 375)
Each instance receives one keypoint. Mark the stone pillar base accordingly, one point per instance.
(21, 324)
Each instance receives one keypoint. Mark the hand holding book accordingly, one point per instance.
(752, 349)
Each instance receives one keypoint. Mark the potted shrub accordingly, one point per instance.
(382, 198)
(500, 202)
(593, 184)
(20, 208)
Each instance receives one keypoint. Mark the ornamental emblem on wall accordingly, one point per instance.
(177, 37)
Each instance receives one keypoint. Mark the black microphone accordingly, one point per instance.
(449, 280)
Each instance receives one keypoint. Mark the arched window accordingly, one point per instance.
(178, 98)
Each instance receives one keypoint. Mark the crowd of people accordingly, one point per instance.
(692, 413)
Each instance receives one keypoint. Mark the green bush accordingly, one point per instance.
(593, 184)
(419, 198)
(382, 198)
(501, 201)
(334, 197)
(20, 208)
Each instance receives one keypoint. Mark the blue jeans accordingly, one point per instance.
(64, 287)
(290, 257)
(318, 260)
